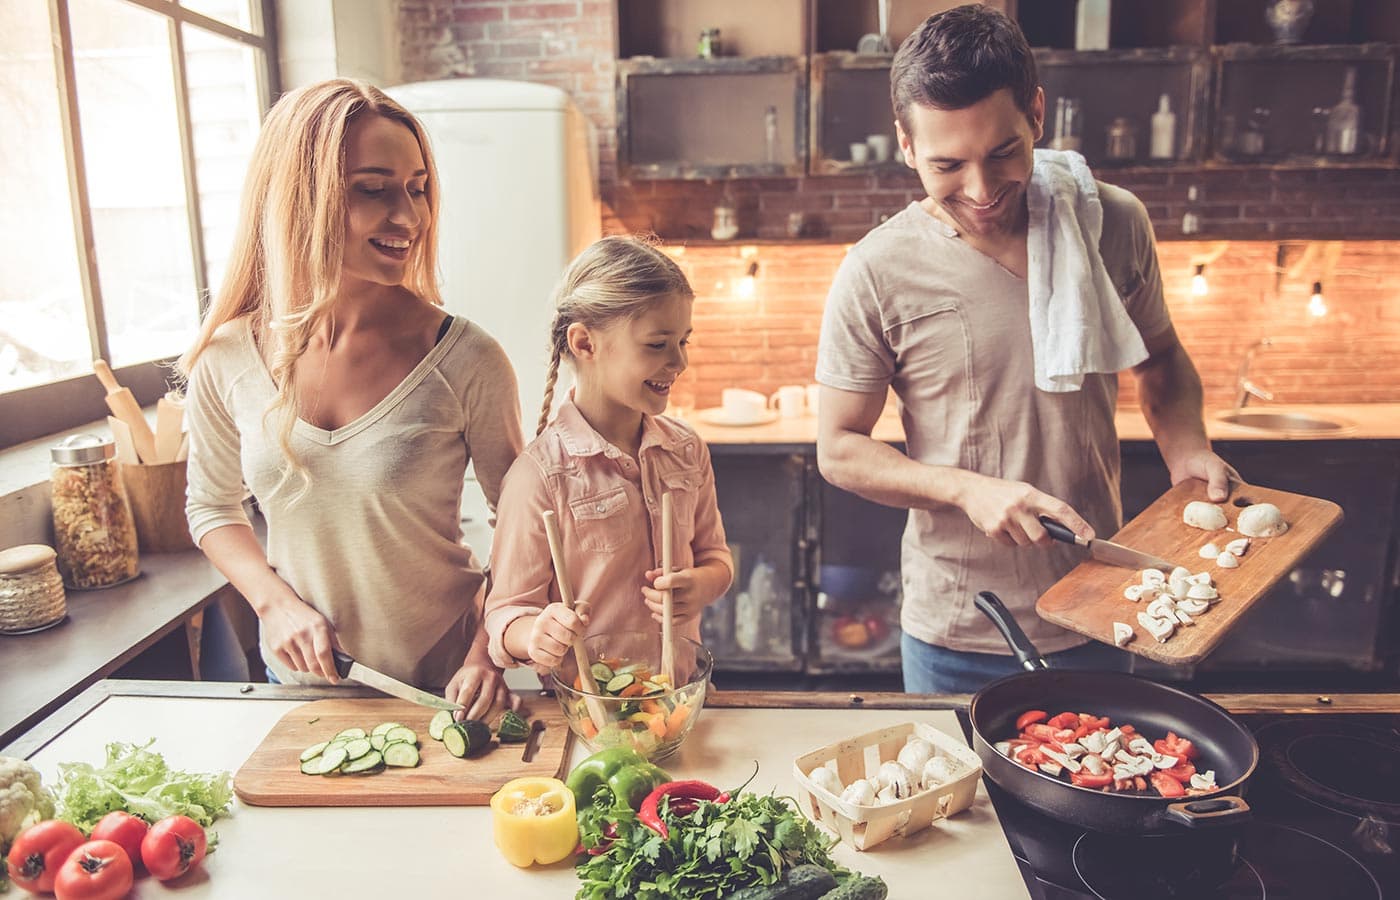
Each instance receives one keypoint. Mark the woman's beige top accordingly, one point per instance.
(375, 543)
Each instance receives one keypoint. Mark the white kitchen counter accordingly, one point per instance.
(441, 851)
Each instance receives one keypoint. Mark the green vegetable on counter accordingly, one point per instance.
(138, 780)
(512, 729)
(618, 776)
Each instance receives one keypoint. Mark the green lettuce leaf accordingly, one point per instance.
(136, 779)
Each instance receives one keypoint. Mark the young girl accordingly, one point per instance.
(328, 381)
(622, 318)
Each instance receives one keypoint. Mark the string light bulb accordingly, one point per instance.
(1317, 305)
(744, 287)
(1199, 286)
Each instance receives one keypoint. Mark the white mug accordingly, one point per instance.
(788, 400)
(742, 405)
(814, 392)
(860, 153)
(879, 147)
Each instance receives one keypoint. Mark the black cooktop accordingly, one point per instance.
(1326, 826)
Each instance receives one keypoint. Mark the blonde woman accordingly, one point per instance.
(328, 381)
(622, 319)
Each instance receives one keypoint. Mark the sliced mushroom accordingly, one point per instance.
(1074, 751)
(1051, 768)
(1200, 578)
(1161, 629)
(1003, 747)
(915, 753)
(1094, 764)
(1204, 781)
(1238, 546)
(1183, 618)
(1162, 608)
(1163, 761)
(1261, 520)
(895, 775)
(1203, 515)
(1192, 607)
(1153, 578)
(1122, 633)
(1208, 551)
(1141, 745)
(1227, 560)
(1093, 742)
(1133, 592)
(1202, 592)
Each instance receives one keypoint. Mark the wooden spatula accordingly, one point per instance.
(170, 415)
(124, 406)
(668, 647)
(566, 594)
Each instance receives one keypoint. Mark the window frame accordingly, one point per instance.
(56, 406)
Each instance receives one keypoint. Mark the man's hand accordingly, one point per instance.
(1206, 466)
(1009, 511)
(554, 631)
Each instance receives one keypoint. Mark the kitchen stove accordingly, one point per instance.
(1326, 826)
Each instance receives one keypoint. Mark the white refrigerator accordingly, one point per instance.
(518, 167)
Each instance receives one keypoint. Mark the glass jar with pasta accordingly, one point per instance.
(94, 532)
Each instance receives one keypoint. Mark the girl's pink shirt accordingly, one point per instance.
(609, 513)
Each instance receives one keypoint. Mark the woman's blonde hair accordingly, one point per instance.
(614, 279)
(285, 266)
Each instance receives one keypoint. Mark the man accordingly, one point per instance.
(935, 303)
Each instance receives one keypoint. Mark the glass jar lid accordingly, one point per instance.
(83, 449)
(25, 558)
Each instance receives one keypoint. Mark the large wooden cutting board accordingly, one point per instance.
(272, 775)
(1090, 598)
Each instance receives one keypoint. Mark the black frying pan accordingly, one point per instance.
(1154, 709)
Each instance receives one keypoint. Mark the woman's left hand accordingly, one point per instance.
(480, 687)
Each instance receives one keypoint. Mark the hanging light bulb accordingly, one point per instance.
(744, 287)
(1199, 287)
(1317, 306)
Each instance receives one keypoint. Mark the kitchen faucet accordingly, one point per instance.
(1243, 386)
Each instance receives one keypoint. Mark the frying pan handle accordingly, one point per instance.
(1212, 813)
(991, 606)
(1058, 531)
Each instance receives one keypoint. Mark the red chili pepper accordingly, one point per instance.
(693, 791)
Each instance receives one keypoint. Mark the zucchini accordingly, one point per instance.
(805, 882)
(326, 763)
(401, 754)
(627, 669)
(400, 733)
(351, 734)
(358, 748)
(383, 727)
(861, 887)
(466, 737)
(441, 719)
(314, 751)
(601, 672)
(376, 741)
(365, 763)
(512, 729)
(619, 682)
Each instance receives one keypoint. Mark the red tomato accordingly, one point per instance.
(124, 830)
(39, 851)
(173, 846)
(1085, 778)
(1171, 745)
(1166, 785)
(1029, 717)
(1041, 733)
(97, 870)
(1182, 771)
(1064, 720)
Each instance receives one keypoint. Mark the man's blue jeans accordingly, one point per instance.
(936, 670)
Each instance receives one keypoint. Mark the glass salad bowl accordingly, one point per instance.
(635, 707)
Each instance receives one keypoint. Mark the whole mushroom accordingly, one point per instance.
(1203, 515)
(1261, 520)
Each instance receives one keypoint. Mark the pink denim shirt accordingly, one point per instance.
(609, 513)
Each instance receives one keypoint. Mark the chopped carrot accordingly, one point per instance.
(633, 690)
(651, 706)
(589, 730)
(657, 724)
(676, 720)
(578, 682)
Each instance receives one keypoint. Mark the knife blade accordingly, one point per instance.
(1106, 551)
(347, 667)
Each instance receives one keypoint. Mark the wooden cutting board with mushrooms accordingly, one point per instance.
(1227, 555)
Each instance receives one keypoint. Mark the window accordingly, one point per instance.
(129, 126)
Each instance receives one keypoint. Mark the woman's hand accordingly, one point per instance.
(691, 590)
(300, 637)
(480, 687)
(554, 631)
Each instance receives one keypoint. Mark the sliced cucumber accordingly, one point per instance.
(441, 719)
(400, 733)
(627, 669)
(314, 751)
(651, 687)
(601, 672)
(326, 763)
(358, 748)
(454, 738)
(351, 734)
(376, 741)
(369, 761)
(619, 682)
(466, 737)
(401, 754)
(383, 727)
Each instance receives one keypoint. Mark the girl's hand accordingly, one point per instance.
(691, 591)
(300, 637)
(480, 687)
(554, 631)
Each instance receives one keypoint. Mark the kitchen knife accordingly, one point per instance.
(346, 667)
(1106, 551)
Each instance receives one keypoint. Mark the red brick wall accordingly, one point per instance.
(1348, 356)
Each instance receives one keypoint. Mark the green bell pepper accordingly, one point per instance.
(618, 776)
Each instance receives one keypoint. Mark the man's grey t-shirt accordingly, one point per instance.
(915, 307)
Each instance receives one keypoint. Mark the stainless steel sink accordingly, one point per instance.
(1283, 422)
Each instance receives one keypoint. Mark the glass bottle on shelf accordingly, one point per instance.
(1253, 140)
(726, 223)
(1120, 144)
(1163, 130)
(1068, 124)
(1344, 120)
(1191, 219)
(770, 134)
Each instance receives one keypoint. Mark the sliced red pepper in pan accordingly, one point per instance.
(1087, 779)
(1180, 747)
(1166, 785)
(1064, 720)
(1030, 717)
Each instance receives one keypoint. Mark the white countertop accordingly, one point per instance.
(439, 851)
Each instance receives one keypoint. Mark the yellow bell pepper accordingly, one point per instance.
(534, 821)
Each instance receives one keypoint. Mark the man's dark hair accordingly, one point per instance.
(959, 57)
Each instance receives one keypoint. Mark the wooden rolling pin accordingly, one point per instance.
(124, 406)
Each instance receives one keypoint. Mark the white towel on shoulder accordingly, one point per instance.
(1078, 322)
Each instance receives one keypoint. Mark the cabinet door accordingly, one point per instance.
(854, 626)
(759, 624)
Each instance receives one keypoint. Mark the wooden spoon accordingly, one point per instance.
(668, 647)
(566, 593)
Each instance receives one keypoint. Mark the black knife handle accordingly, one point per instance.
(343, 662)
(1058, 531)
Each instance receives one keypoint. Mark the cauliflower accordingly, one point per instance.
(23, 800)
